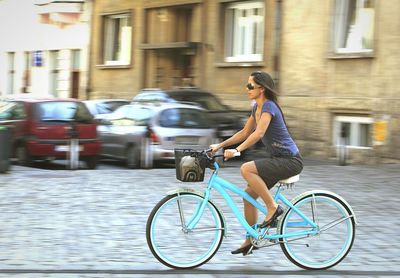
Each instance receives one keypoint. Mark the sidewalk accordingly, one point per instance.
(83, 223)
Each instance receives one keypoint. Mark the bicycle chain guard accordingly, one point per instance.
(262, 242)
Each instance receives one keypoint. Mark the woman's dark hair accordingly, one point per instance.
(265, 80)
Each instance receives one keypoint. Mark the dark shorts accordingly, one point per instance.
(274, 169)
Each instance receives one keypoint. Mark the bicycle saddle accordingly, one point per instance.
(290, 180)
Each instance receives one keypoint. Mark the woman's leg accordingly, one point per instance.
(250, 212)
(258, 186)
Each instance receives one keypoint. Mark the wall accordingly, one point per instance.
(109, 81)
(314, 85)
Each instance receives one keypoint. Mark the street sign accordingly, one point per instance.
(380, 132)
(38, 58)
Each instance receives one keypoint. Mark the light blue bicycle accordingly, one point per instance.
(185, 229)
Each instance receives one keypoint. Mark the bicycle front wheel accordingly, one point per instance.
(334, 235)
(172, 242)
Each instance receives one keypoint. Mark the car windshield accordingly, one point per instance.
(184, 118)
(11, 110)
(6, 106)
(131, 115)
(109, 106)
(156, 96)
(64, 111)
(206, 101)
(3, 105)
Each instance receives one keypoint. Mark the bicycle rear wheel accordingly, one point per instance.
(169, 239)
(336, 227)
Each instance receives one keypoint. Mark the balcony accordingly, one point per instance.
(59, 12)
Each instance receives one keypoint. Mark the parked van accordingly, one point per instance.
(42, 129)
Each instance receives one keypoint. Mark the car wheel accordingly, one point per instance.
(23, 157)
(132, 156)
(91, 161)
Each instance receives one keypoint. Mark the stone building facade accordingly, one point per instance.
(335, 62)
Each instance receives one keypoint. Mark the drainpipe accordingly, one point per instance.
(88, 88)
(277, 46)
(202, 50)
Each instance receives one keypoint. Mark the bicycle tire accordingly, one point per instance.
(326, 249)
(168, 241)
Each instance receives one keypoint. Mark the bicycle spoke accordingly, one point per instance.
(181, 215)
(334, 223)
(207, 229)
(314, 210)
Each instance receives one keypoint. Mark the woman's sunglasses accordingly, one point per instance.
(250, 86)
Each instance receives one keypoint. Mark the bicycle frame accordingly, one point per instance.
(221, 185)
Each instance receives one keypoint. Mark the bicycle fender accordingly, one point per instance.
(198, 193)
(311, 192)
(188, 190)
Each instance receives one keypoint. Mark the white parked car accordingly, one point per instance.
(135, 131)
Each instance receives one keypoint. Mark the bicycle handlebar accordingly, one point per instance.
(209, 151)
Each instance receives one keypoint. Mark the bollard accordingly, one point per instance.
(73, 152)
(146, 151)
(5, 148)
(342, 154)
(342, 151)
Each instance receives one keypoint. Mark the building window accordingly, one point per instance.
(10, 72)
(352, 131)
(354, 26)
(244, 23)
(54, 64)
(76, 59)
(117, 34)
(27, 71)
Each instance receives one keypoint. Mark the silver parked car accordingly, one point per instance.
(226, 120)
(100, 107)
(141, 131)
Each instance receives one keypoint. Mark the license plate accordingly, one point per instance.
(187, 140)
(65, 148)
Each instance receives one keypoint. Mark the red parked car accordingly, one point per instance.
(42, 129)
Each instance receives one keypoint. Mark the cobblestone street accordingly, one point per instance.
(91, 223)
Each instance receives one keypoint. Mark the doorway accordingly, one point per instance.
(75, 73)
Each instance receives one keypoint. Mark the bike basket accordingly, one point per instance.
(190, 166)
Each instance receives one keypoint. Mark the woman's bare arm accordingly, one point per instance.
(255, 136)
(238, 137)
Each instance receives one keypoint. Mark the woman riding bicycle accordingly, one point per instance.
(282, 157)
